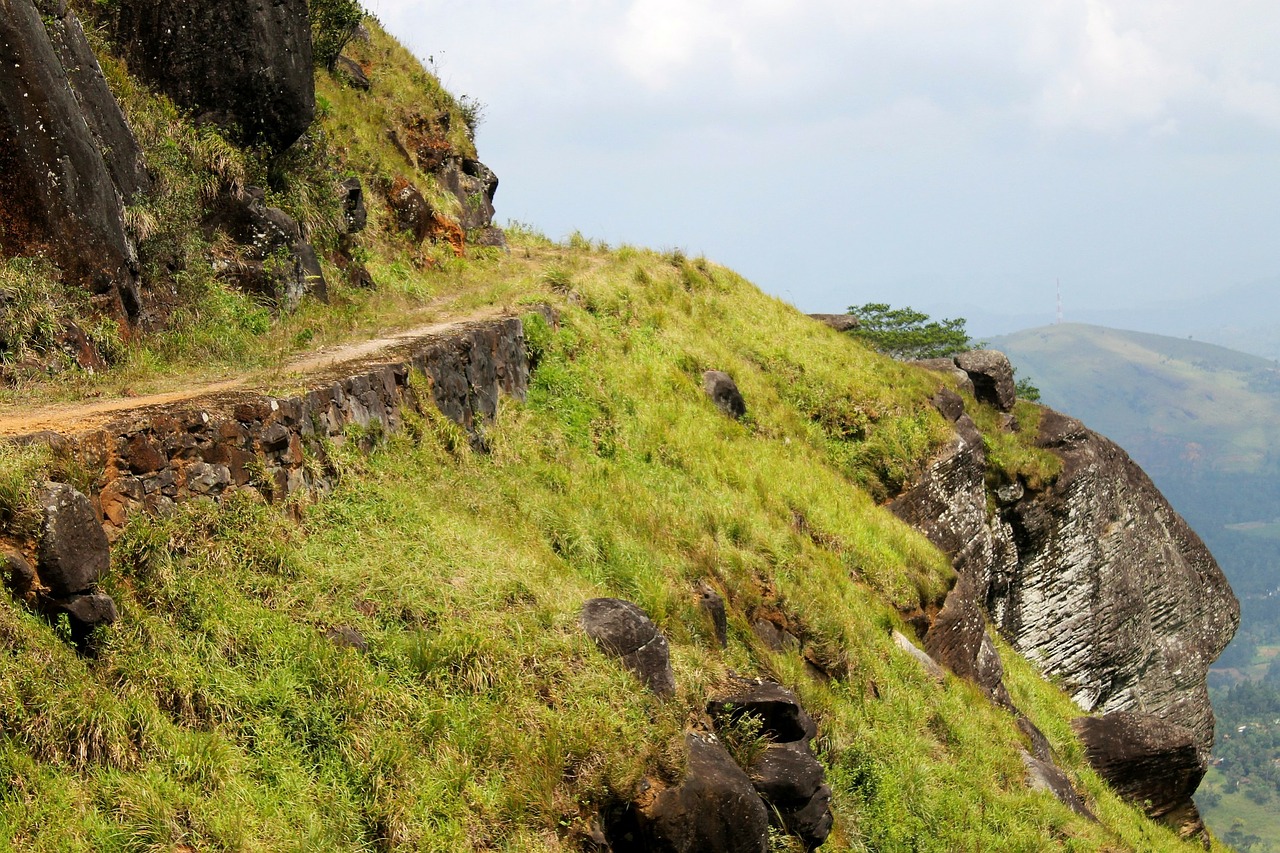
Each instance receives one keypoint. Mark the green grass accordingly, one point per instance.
(219, 717)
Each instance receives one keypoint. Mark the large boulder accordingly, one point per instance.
(992, 377)
(67, 158)
(714, 809)
(1152, 763)
(1112, 592)
(279, 263)
(246, 65)
(784, 772)
(73, 552)
(626, 631)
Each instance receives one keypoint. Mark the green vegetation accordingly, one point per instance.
(218, 715)
(332, 24)
(905, 333)
(221, 714)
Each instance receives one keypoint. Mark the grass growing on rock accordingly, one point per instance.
(220, 714)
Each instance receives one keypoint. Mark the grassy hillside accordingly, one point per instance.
(219, 715)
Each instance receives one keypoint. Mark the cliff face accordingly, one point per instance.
(1093, 577)
(1112, 591)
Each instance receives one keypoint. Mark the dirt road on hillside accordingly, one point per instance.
(72, 418)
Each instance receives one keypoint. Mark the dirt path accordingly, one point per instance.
(71, 418)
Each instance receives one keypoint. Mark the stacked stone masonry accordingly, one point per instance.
(278, 446)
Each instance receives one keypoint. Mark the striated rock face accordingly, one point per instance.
(68, 161)
(1094, 577)
(243, 64)
(1112, 591)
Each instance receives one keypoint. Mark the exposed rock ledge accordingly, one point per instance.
(1094, 578)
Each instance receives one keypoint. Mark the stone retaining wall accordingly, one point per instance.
(278, 445)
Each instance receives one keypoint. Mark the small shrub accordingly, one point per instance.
(333, 22)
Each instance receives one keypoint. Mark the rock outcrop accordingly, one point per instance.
(625, 631)
(245, 65)
(1112, 592)
(278, 263)
(68, 161)
(1152, 763)
(992, 377)
(839, 322)
(1093, 577)
(784, 772)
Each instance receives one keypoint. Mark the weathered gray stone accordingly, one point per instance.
(723, 391)
(243, 64)
(1045, 776)
(1112, 592)
(624, 630)
(279, 263)
(1153, 763)
(992, 377)
(928, 664)
(947, 366)
(73, 552)
(839, 322)
(714, 809)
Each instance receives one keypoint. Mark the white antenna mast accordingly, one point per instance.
(1059, 302)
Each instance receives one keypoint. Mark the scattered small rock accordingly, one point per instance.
(346, 637)
(839, 322)
(992, 376)
(928, 664)
(713, 604)
(17, 573)
(721, 388)
(350, 72)
(624, 630)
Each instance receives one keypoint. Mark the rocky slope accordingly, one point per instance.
(648, 437)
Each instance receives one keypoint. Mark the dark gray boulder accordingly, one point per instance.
(17, 573)
(474, 185)
(723, 391)
(246, 65)
(622, 629)
(714, 809)
(84, 612)
(1153, 763)
(279, 263)
(992, 377)
(785, 772)
(58, 195)
(73, 552)
(413, 211)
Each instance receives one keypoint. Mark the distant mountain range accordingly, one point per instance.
(1238, 317)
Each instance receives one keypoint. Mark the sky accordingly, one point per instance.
(946, 154)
